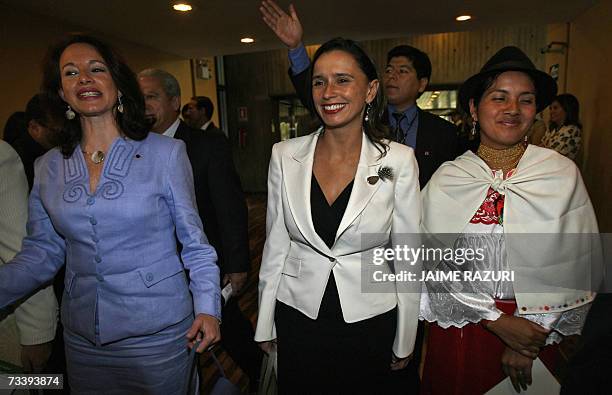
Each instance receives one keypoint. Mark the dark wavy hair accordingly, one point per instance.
(570, 105)
(131, 122)
(374, 129)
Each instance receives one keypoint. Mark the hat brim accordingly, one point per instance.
(546, 86)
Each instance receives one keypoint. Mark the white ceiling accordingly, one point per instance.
(215, 27)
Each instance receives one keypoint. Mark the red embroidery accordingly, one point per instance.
(492, 209)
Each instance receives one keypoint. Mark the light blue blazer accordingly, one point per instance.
(119, 243)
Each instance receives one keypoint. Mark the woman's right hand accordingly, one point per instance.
(287, 27)
(520, 334)
(268, 346)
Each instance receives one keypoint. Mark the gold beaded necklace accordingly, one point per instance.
(502, 159)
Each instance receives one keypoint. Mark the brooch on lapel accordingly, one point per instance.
(384, 173)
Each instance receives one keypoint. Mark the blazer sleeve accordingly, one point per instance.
(303, 88)
(230, 208)
(42, 251)
(405, 231)
(276, 249)
(36, 317)
(198, 256)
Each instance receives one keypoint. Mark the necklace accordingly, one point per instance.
(502, 159)
(96, 157)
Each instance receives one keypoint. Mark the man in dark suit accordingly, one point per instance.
(198, 114)
(221, 205)
(406, 77)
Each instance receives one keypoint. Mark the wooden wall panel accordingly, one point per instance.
(252, 80)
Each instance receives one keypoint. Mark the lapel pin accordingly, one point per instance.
(385, 173)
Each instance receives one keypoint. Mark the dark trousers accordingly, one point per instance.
(237, 339)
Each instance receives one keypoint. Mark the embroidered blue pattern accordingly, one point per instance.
(117, 166)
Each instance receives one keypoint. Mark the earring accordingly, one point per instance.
(120, 105)
(367, 111)
(473, 131)
(70, 115)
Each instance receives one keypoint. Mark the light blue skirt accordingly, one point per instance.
(159, 363)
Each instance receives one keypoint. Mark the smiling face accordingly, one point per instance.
(340, 90)
(402, 86)
(86, 82)
(506, 110)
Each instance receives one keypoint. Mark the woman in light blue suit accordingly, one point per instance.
(109, 203)
(335, 198)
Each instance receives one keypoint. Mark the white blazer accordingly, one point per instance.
(297, 263)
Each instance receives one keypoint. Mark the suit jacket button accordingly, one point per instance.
(98, 258)
(90, 201)
(149, 277)
(100, 278)
(332, 259)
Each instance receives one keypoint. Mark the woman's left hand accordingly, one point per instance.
(518, 368)
(205, 328)
(400, 363)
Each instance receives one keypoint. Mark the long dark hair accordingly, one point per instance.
(570, 105)
(373, 127)
(131, 122)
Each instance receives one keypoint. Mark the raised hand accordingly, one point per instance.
(287, 27)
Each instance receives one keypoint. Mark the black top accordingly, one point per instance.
(326, 220)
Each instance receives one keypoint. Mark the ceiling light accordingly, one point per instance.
(182, 7)
(247, 40)
(463, 18)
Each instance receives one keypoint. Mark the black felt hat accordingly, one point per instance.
(510, 59)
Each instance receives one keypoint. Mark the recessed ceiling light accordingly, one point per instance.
(247, 40)
(463, 18)
(182, 7)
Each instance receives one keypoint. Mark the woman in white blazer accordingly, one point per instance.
(335, 198)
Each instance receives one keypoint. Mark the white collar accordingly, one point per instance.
(205, 126)
(171, 131)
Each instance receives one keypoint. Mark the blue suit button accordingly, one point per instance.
(100, 278)
(93, 221)
(149, 277)
(90, 201)
(98, 258)
(95, 239)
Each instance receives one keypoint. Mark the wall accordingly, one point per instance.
(254, 79)
(24, 39)
(589, 68)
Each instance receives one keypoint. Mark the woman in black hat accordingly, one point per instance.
(504, 304)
